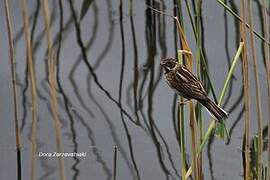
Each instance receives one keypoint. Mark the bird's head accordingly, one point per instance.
(168, 64)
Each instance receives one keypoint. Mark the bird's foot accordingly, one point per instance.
(182, 103)
(185, 52)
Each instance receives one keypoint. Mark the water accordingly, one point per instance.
(93, 123)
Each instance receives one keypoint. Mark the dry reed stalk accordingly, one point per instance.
(192, 121)
(266, 51)
(246, 94)
(14, 89)
(32, 77)
(181, 126)
(114, 162)
(194, 139)
(258, 96)
(52, 88)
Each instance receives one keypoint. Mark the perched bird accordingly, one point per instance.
(185, 84)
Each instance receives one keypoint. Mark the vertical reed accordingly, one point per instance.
(241, 20)
(193, 130)
(222, 94)
(52, 85)
(32, 77)
(192, 120)
(246, 139)
(14, 89)
(198, 35)
(267, 63)
(181, 120)
(258, 96)
(181, 128)
(114, 162)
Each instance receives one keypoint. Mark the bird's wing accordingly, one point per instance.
(189, 84)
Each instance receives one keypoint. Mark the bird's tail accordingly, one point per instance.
(214, 109)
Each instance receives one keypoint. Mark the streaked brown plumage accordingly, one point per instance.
(185, 84)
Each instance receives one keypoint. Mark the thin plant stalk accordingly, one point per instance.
(267, 63)
(32, 77)
(193, 124)
(226, 84)
(258, 96)
(223, 91)
(179, 15)
(192, 120)
(181, 123)
(181, 128)
(115, 149)
(52, 88)
(213, 123)
(14, 89)
(246, 139)
(193, 130)
(198, 58)
(241, 20)
(199, 48)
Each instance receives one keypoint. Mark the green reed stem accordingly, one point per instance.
(226, 84)
(241, 20)
(198, 15)
(182, 127)
(213, 123)
(199, 49)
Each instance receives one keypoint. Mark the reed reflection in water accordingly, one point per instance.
(111, 93)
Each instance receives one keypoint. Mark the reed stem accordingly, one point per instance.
(53, 92)
(115, 149)
(181, 128)
(246, 139)
(241, 20)
(267, 64)
(14, 89)
(32, 77)
(199, 75)
(192, 120)
(258, 96)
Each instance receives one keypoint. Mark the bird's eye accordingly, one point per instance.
(171, 65)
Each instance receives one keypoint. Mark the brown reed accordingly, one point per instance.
(258, 95)
(246, 139)
(52, 88)
(32, 77)
(14, 89)
(267, 63)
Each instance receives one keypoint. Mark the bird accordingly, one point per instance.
(185, 84)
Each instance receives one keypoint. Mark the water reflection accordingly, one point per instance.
(111, 90)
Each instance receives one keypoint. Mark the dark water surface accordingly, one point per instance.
(124, 56)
